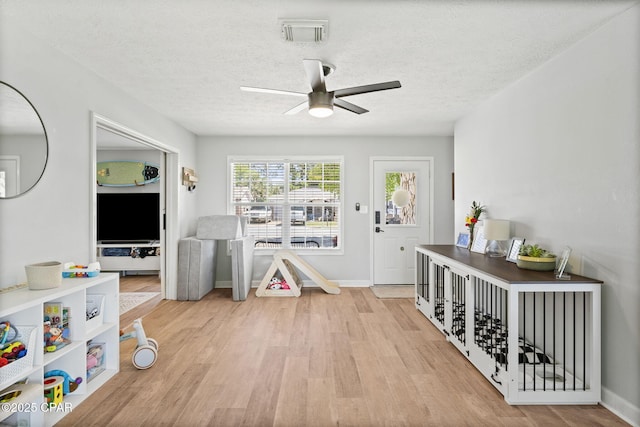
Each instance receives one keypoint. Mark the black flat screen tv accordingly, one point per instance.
(128, 217)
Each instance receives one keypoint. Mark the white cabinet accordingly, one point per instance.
(535, 338)
(26, 307)
(129, 256)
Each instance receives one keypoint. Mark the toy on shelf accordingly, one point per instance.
(9, 332)
(54, 337)
(73, 270)
(17, 397)
(10, 349)
(95, 359)
(23, 390)
(57, 384)
(278, 283)
(53, 390)
(146, 352)
(56, 326)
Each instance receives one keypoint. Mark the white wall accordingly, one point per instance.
(354, 265)
(558, 152)
(51, 222)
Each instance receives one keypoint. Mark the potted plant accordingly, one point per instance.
(533, 257)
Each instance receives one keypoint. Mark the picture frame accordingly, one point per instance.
(514, 248)
(479, 244)
(562, 265)
(463, 240)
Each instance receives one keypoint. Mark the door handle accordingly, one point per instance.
(379, 230)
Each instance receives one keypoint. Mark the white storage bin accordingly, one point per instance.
(95, 311)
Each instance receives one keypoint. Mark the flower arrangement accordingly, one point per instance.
(470, 220)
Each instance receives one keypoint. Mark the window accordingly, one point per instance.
(293, 203)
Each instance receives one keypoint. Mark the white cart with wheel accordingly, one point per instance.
(146, 352)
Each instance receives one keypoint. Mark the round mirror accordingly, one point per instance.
(23, 143)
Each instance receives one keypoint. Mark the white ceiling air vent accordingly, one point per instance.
(304, 30)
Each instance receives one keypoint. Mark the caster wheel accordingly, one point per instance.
(153, 343)
(144, 357)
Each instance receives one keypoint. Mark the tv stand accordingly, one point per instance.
(129, 256)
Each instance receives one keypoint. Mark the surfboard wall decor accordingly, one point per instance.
(126, 173)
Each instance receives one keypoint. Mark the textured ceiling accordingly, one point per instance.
(187, 59)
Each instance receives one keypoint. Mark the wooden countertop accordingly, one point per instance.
(500, 268)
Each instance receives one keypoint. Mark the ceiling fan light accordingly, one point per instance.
(321, 111)
(321, 104)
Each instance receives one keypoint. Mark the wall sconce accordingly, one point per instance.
(496, 231)
(189, 179)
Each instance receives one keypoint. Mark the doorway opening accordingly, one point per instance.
(158, 256)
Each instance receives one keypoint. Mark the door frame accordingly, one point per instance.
(169, 247)
(431, 161)
(16, 176)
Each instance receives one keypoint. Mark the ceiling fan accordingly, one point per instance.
(320, 102)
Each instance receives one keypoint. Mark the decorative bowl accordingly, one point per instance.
(536, 263)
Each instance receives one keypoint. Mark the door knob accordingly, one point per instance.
(379, 230)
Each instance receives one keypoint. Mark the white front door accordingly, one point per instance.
(402, 205)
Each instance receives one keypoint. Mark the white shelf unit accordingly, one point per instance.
(127, 262)
(485, 306)
(26, 307)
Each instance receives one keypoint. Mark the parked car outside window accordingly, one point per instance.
(298, 215)
(260, 214)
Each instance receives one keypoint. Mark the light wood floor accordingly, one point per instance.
(139, 283)
(317, 360)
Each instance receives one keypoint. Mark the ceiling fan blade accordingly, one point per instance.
(297, 108)
(273, 91)
(366, 88)
(348, 106)
(315, 74)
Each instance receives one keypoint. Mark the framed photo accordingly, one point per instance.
(514, 248)
(463, 240)
(564, 259)
(479, 244)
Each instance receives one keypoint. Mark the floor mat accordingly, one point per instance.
(394, 291)
(130, 300)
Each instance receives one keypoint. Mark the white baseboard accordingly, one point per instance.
(621, 407)
(353, 283)
(223, 284)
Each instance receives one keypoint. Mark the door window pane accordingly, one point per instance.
(400, 198)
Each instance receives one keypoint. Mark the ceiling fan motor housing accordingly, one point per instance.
(321, 99)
